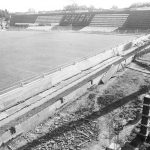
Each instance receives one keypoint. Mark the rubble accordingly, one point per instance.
(67, 137)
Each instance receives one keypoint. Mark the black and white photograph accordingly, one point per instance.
(74, 75)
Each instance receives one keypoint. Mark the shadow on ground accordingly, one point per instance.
(71, 125)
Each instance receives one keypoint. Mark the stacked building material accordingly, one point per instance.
(145, 121)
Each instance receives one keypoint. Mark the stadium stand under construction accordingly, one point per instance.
(119, 19)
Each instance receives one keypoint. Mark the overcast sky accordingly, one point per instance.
(24, 5)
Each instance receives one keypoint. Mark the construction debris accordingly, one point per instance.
(68, 137)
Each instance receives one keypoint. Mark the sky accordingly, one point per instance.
(47, 5)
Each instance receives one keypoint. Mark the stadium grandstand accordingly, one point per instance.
(124, 19)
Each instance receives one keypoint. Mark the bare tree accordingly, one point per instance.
(75, 6)
(138, 5)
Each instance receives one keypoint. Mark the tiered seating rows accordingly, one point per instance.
(138, 20)
(23, 19)
(109, 20)
(48, 19)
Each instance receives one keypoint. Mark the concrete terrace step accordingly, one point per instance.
(48, 19)
(106, 24)
(108, 19)
(105, 21)
(110, 16)
(95, 19)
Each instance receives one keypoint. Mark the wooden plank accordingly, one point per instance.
(3, 115)
(109, 73)
(6, 137)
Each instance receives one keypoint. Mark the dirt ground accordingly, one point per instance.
(105, 114)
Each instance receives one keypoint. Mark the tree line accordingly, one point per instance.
(138, 5)
(4, 14)
(75, 6)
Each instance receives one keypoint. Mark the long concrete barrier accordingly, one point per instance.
(47, 94)
(11, 98)
(64, 74)
(84, 65)
(20, 94)
(101, 57)
(28, 90)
